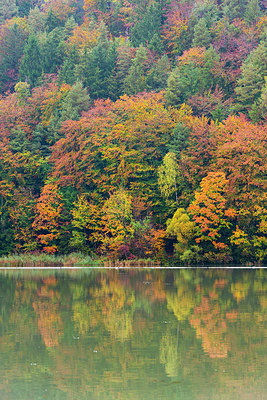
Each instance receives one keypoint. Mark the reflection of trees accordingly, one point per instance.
(240, 290)
(211, 327)
(47, 311)
(109, 305)
(81, 317)
(183, 300)
(122, 336)
(155, 291)
(117, 307)
(169, 353)
(49, 322)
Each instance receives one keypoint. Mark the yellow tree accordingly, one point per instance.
(86, 221)
(182, 229)
(47, 216)
(117, 220)
(167, 175)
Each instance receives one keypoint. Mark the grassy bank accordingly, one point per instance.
(71, 260)
(38, 260)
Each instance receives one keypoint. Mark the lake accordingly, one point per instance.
(133, 334)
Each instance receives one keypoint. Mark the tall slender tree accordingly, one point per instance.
(31, 65)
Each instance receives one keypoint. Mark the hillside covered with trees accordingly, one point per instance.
(134, 128)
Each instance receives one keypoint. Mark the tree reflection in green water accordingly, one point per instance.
(191, 334)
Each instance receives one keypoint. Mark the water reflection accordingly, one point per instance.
(133, 334)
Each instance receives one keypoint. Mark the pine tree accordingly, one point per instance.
(156, 44)
(258, 110)
(76, 101)
(206, 9)
(97, 69)
(182, 83)
(160, 72)
(31, 67)
(251, 81)
(70, 25)
(192, 75)
(67, 72)
(24, 6)
(201, 34)
(11, 50)
(52, 51)
(52, 22)
(233, 9)
(147, 26)
(207, 80)
(137, 78)
(36, 20)
(179, 140)
(123, 64)
(6, 231)
(253, 11)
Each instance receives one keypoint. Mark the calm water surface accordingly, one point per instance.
(133, 335)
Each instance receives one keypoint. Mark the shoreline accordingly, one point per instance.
(4, 268)
(80, 261)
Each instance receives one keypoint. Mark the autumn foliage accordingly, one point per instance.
(133, 129)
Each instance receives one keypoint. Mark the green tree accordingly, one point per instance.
(259, 108)
(201, 34)
(233, 9)
(69, 26)
(36, 20)
(253, 11)
(123, 64)
(97, 68)
(23, 91)
(159, 73)
(67, 71)
(11, 50)
(182, 82)
(24, 6)
(76, 101)
(31, 65)
(179, 139)
(137, 79)
(6, 231)
(207, 10)
(251, 82)
(208, 76)
(147, 26)
(156, 44)
(52, 51)
(52, 22)
(194, 74)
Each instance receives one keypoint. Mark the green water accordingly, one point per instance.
(133, 335)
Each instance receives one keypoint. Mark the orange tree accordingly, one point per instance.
(211, 215)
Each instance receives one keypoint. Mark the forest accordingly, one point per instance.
(134, 129)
